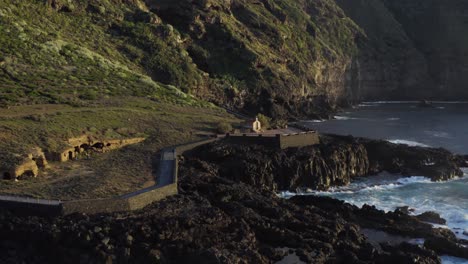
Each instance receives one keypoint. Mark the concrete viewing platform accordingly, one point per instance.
(275, 139)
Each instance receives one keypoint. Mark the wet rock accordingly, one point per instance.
(431, 217)
(105, 240)
(447, 247)
(404, 210)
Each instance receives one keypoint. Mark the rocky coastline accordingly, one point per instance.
(333, 162)
(220, 218)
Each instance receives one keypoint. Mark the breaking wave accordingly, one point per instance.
(408, 142)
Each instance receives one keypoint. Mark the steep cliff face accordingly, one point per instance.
(282, 58)
(388, 66)
(413, 49)
(439, 30)
(309, 56)
(278, 57)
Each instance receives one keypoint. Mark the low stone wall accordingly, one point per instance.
(28, 206)
(186, 147)
(264, 140)
(120, 204)
(299, 140)
(140, 201)
(281, 141)
(95, 206)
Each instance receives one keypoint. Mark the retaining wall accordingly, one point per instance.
(267, 141)
(94, 206)
(186, 147)
(28, 206)
(280, 141)
(299, 140)
(140, 201)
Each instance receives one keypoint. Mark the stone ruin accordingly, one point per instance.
(36, 158)
(85, 145)
(29, 165)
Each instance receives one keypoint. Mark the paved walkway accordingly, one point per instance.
(166, 168)
(164, 173)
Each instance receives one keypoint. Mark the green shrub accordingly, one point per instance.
(224, 127)
(280, 123)
(89, 94)
(264, 120)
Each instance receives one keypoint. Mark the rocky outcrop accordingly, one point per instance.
(431, 217)
(437, 164)
(216, 220)
(334, 162)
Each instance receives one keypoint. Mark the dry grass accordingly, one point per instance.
(109, 174)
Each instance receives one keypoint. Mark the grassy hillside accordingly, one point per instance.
(72, 55)
(270, 56)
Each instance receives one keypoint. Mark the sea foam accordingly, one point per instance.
(407, 142)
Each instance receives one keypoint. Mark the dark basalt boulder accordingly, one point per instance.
(404, 210)
(431, 217)
(447, 247)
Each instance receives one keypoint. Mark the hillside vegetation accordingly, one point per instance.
(282, 58)
(269, 56)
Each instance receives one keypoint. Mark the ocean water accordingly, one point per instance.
(444, 125)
